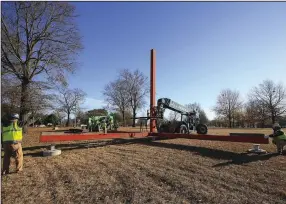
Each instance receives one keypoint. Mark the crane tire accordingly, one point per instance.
(202, 129)
(183, 129)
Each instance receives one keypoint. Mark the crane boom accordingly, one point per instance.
(172, 105)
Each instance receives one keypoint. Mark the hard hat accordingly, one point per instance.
(276, 126)
(14, 116)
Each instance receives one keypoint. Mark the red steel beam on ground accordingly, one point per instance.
(152, 89)
(73, 137)
(56, 137)
(244, 138)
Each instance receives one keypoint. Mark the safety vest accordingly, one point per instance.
(12, 133)
(282, 136)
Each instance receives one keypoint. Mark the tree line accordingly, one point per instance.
(265, 105)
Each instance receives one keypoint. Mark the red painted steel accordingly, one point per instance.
(152, 89)
(244, 139)
(73, 137)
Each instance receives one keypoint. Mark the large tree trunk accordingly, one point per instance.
(134, 115)
(229, 121)
(123, 118)
(273, 118)
(262, 123)
(24, 109)
(68, 120)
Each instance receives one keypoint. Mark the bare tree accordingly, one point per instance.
(271, 96)
(250, 113)
(196, 106)
(97, 112)
(38, 102)
(60, 115)
(40, 99)
(238, 118)
(218, 122)
(255, 112)
(69, 100)
(117, 97)
(10, 98)
(174, 116)
(137, 88)
(37, 38)
(228, 103)
(81, 116)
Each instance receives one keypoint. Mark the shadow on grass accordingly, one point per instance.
(34, 154)
(233, 157)
(34, 148)
(84, 145)
(244, 159)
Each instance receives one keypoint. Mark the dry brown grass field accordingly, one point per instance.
(166, 171)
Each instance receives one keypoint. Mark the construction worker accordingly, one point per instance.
(279, 138)
(12, 137)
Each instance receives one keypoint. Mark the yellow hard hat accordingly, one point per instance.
(14, 116)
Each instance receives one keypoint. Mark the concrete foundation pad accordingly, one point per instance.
(54, 152)
(256, 149)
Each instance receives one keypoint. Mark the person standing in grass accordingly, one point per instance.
(12, 137)
(279, 138)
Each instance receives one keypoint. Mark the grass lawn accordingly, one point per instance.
(166, 171)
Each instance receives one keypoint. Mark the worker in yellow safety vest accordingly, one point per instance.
(12, 137)
(279, 138)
